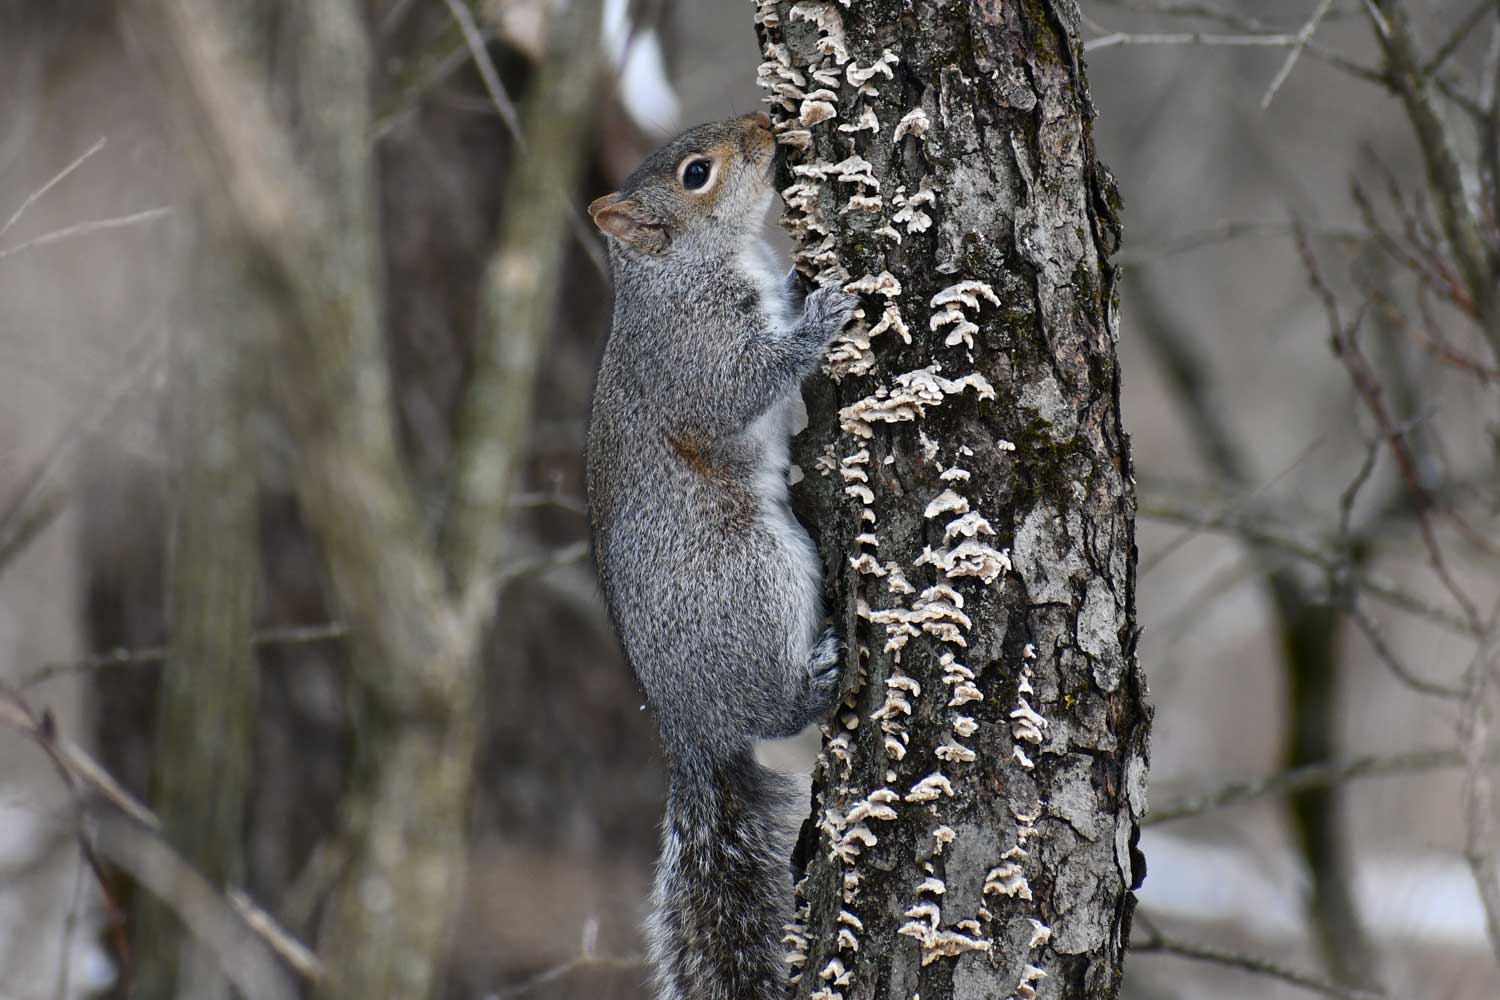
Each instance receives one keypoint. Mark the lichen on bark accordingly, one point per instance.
(977, 797)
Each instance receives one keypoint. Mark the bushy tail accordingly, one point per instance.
(723, 885)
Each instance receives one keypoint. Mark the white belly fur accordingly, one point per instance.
(772, 432)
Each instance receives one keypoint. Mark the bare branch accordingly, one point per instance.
(70, 760)
(295, 953)
(130, 835)
(1161, 944)
(70, 929)
(41, 496)
(1460, 35)
(85, 229)
(1204, 11)
(1299, 779)
(506, 108)
(21, 526)
(1211, 39)
(1303, 37)
(552, 975)
(549, 498)
(587, 958)
(57, 179)
(1383, 651)
(1196, 9)
(499, 96)
(1255, 529)
(1191, 38)
(1228, 230)
(1479, 729)
(1444, 177)
(518, 299)
(567, 554)
(293, 635)
(314, 223)
(242, 953)
(1367, 385)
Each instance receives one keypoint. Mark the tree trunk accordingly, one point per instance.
(206, 708)
(286, 142)
(977, 797)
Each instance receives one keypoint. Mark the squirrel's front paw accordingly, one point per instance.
(827, 311)
(825, 668)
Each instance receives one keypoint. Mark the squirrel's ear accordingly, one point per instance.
(629, 222)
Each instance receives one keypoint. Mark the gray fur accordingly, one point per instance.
(713, 587)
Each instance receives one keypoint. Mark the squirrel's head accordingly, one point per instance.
(701, 192)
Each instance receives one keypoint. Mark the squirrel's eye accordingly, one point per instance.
(695, 174)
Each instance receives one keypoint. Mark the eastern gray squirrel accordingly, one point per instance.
(713, 586)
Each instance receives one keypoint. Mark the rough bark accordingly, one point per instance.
(977, 797)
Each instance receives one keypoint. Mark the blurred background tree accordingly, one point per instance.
(1311, 378)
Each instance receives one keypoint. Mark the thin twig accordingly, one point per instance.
(1299, 779)
(291, 635)
(1445, 179)
(1478, 732)
(137, 836)
(1211, 39)
(506, 108)
(1161, 944)
(40, 499)
(1489, 130)
(583, 961)
(1207, 38)
(432, 74)
(70, 929)
(1351, 493)
(312, 883)
(566, 555)
(549, 498)
(1201, 10)
(57, 179)
(1431, 338)
(1303, 37)
(1231, 230)
(1346, 348)
(86, 228)
(1255, 529)
(294, 952)
(518, 302)
(17, 714)
(1458, 37)
(24, 523)
(1235, 507)
(1383, 651)
(1420, 258)
(1196, 9)
(499, 96)
(243, 953)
